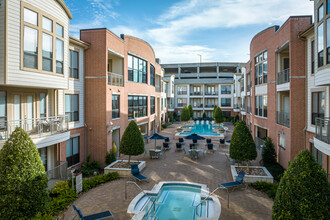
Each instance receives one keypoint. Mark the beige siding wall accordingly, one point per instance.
(2, 41)
(25, 78)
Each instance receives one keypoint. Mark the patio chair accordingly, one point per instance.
(193, 154)
(194, 141)
(208, 141)
(167, 140)
(136, 173)
(192, 146)
(154, 155)
(166, 146)
(179, 146)
(210, 147)
(181, 140)
(238, 182)
(100, 215)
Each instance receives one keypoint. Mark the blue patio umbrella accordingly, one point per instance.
(156, 137)
(194, 137)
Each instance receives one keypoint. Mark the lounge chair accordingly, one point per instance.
(166, 146)
(238, 182)
(100, 215)
(136, 173)
(179, 146)
(210, 147)
(208, 141)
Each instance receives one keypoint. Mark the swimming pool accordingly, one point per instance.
(201, 129)
(175, 200)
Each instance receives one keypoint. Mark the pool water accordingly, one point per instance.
(175, 202)
(201, 129)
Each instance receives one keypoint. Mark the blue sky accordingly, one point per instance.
(219, 30)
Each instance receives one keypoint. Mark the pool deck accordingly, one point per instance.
(175, 166)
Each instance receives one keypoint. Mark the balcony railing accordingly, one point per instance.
(182, 92)
(198, 106)
(170, 106)
(242, 89)
(248, 87)
(322, 129)
(60, 172)
(211, 93)
(225, 92)
(243, 108)
(182, 104)
(248, 109)
(236, 106)
(115, 79)
(196, 93)
(283, 76)
(35, 127)
(283, 118)
(209, 105)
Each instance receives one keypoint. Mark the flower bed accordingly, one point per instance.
(255, 173)
(122, 168)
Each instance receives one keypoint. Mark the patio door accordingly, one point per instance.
(23, 111)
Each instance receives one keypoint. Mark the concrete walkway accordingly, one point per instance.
(175, 166)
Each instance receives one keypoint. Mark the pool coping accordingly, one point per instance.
(138, 215)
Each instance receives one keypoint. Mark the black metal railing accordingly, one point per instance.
(322, 129)
(283, 118)
(283, 76)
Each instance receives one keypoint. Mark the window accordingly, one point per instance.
(282, 140)
(261, 106)
(115, 106)
(328, 40)
(152, 105)
(137, 106)
(225, 89)
(42, 105)
(72, 107)
(47, 52)
(182, 90)
(328, 6)
(30, 47)
(40, 33)
(261, 68)
(181, 102)
(320, 13)
(3, 110)
(312, 56)
(317, 154)
(320, 45)
(72, 151)
(137, 69)
(73, 69)
(318, 105)
(43, 156)
(225, 102)
(152, 75)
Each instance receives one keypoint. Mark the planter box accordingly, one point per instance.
(253, 178)
(123, 172)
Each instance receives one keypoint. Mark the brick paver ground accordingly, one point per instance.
(175, 166)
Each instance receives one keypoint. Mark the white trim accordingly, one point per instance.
(115, 52)
(260, 126)
(115, 128)
(133, 54)
(137, 94)
(143, 123)
(115, 93)
(75, 135)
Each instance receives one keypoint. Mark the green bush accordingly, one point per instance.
(132, 143)
(175, 116)
(236, 118)
(164, 126)
(242, 146)
(303, 192)
(276, 170)
(204, 116)
(97, 180)
(268, 188)
(191, 111)
(23, 180)
(185, 115)
(268, 152)
(213, 113)
(89, 167)
(218, 116)
(170, 117)
(110, 157)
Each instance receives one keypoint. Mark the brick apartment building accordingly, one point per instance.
(276, 100)
(123, 83)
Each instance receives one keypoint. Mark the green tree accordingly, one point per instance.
(215, 108)
(170, 117)
(23, 180)
(218, 116)
(175, 116)
(269, 153)
(185, 114)
(304, 191)
(132, 143)
(204, 116)
(191, 112)
(242, 146)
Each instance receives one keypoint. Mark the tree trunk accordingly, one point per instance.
(247, 166)
(129, 159)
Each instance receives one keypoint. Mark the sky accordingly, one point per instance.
(181, 31)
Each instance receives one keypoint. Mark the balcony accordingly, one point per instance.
(283, 76)
(198, 106)
(209, 105)
(196, 93)
(180, 105)
(283, 118)
(211, 93)
(115, 79)
(322, 135)
(242, 89)
(182, 93)
(43, 131)
(236, 107)
(248, 109)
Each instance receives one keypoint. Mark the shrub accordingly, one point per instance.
(191, 112)
(303, 192)
(204, 116)
(276, 170)
(236, 118)
(175, 116)
(170, 117)
(268, 188)
(242, 146)
(89, 167)
(185, 115)
(23, 180)
(213, 114)
(97, 180)
(268, 152)
(132, 143)
(218, 116)
(110, 157)
(164, 126)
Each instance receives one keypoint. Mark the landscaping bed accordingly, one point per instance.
(256, 171)
(123, 168)
(122, 164)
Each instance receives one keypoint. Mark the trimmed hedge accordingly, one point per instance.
(268, 188)
(185, 114)
(191, 112)
(97, 180)
(218, 116)
(164, 126)
(303, 192)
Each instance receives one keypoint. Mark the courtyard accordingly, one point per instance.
(176, 166)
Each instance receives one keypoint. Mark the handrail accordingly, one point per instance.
(141, 191)
(210, 194)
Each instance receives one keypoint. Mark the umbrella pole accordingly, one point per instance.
(155, 143)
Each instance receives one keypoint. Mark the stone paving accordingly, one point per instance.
(175, 166)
